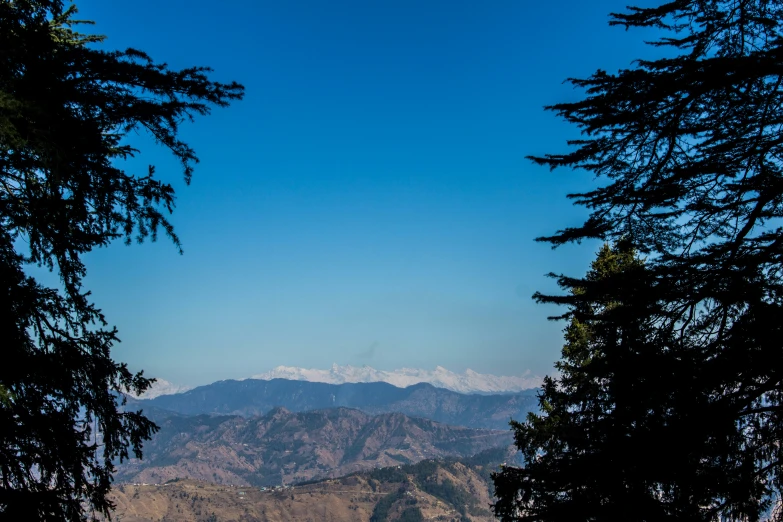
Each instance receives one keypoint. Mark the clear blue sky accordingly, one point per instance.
(369, 201)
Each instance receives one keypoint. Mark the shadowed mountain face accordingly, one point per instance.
(256, 397)
(285, 447)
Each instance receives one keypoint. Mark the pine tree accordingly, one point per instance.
(688, 152)
(629, 429)
(66, 106)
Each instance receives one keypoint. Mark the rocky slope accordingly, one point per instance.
(257, 397)
(282, 447)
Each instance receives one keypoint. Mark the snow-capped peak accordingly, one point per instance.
(161, 387)
(468, 382)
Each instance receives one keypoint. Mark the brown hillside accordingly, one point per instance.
(444, 491)
(283, 447)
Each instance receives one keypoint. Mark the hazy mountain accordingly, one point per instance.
(429, 490)
(468, 382)
(257, 397)
(285, 447)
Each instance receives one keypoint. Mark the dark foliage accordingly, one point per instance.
(424, 475)
(463, 501)
(380, 512)
(411, 514)
(668, 406)
(65, 108)
(390, 474)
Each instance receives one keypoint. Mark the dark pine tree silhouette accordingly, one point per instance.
(668, 406)
(65, 107)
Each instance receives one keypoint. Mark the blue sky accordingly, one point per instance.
(369, 201)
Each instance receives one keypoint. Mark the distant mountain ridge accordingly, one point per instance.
(285, 447)
(468, 382)
(253, 397)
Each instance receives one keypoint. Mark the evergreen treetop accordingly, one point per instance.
(675, 393)
(66, 107)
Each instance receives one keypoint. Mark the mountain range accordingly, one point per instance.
(256, 433)
(161, 387)
(467, 382)
(283, 447)
(253, 397)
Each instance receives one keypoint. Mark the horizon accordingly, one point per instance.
(524, 381)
